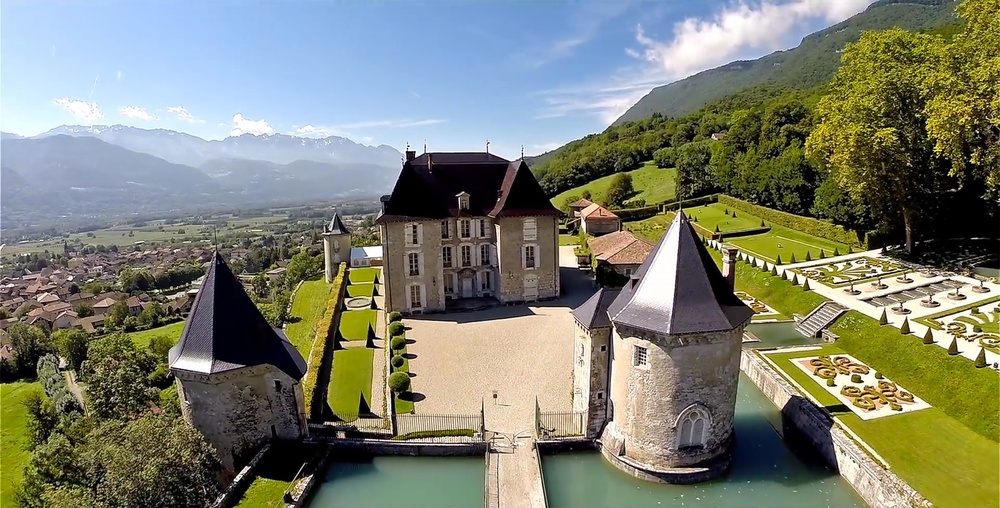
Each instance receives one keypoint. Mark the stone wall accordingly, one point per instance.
(590, 376)
(410, 448)
(241, 482)
(879, 487)
(511, 272)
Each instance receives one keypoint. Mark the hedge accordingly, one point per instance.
(421, 434)
(742, 232)
(55, 385)
(807, 225)
(640, 213)
(325, 330)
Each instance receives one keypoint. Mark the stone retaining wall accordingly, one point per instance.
(879, 487)
(390, 447)
(241, 481)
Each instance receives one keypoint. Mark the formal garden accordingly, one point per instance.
(850, 271)
(349, 394)
(976, 324)
(762, 311)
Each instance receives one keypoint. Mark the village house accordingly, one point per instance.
(595, 220)
(467, 225)
(620, 251)
(577, 206)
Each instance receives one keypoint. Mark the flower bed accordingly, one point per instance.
(855, 270)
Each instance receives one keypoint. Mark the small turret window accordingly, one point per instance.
(463, 203)
(640, 356)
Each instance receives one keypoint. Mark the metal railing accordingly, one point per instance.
(366, 422)
(560, 424)
(411, 423)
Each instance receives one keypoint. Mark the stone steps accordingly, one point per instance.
(820, 318)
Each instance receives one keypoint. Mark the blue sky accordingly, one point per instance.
(457, 74)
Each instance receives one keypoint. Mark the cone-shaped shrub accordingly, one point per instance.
(762, 223)
(805, 285)
(850, 250)
(793, 258)
(981, 358)
(928, 337)
(884, 320)
(795, 280)
(727, 211)
(778, 261)
(822, 255)
(399, 382)
(734, 214)
(836, 252)
(905, 329)
(808, 257)
(953, 348)
(764, 266)
(716, 228)
(774, 269)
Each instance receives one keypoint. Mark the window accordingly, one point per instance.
(414, 234)
(529, 256)
(486, 280)
(530, 229)
(415, 297)
(449, 285)
(483, 229)
(466, 255)
(600, 395)
(693, 423)
(640, 356)
(628, 272)
(466, 228)
(604, 348)
(463, 202)
(414, 260)
(446, 257)
(336, 245)
(484, 254)
(277, 385)
(445, 230)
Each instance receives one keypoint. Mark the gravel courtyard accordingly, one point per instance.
(520, 351)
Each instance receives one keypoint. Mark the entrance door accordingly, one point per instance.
(530, 287)
(467, 291)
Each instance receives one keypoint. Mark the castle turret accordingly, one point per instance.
(238, 379)
(676, 335)
(336, 246)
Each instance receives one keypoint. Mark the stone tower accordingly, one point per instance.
(238, 379)
(676, 335)
(592, 352)
(336, 245)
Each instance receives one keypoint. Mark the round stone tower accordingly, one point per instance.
(336, 245)
(677, 333)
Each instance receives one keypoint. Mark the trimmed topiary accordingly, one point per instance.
(762, 223)
(394, 316)
(981, 358)
(792, 261)
(928, 337)
(822, 255)
(795, 280)
(977, 329)
(805, 285)
(836, 252)
(953, 348)
(734, 214)
(396, 328)
(397, 361)
(850, 250)
(774, 270)
(830, 382)
(855, 378)
(716, 228)
(399, 382)
(808, 256)
(778, 261)
(878, 375)
(905, 329)
(727, 211)
(975, 310)
(884, 320)
(398, 342)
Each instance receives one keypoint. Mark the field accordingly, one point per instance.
(308, 306)
(13, 455)
(652, 184)
(350, 381)
(778, 241)
(355, 324)
(143, 338)
(944, 460)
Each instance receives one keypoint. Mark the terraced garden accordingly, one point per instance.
(977, 323)
(351, 380)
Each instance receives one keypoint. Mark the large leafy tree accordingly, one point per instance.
(620, 189)
(694, 176)
(72, 344)
(872, 129)
(963, 108)
(116, 373)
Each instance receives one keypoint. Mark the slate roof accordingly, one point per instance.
(336, 226)
(679, 289)
(225, 331)
(620, 248)
(427, 187)
(593, 313)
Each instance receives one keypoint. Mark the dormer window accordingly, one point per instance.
(463, 200)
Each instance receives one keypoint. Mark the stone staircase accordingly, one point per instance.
(820, 319)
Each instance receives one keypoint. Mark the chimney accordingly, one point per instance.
(410, 155)
(729, 265)
(430, 164)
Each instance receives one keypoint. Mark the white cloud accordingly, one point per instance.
(183, 114)
(737, 31)
(347, 128)
(86, 111)
(585, 23)
(243, 125)
(135, 112)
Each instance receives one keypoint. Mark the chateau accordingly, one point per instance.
(467, 225)
(237, 378)
(658, 363)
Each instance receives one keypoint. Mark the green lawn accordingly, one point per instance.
(780, 294)
(264, 492)
(651, 183)
(13, 455)
(354, 324)
(362, 275)
(310, 302)
(944, 460)
(565, 239)
(360, 290)
(143, 338)
(351, 378)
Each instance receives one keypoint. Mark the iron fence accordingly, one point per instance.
(560, 424)
(413, 423)
(361, 422)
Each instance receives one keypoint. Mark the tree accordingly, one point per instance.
(665, 157)
(116, 377)
(4, 313)
(569, 200)
(151, 315)
(301, 266)
(963, 109)
(620, 189)
(116, 315)
(872, 130)
(42, 418)
(74, 288)
(694, 177)
(83, 310)
(29, 343)
(72, 344)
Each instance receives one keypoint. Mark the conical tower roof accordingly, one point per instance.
(226, 331)
(679, 289)
(336, 226)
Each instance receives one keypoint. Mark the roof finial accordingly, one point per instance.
(487, 146)
(522, 152)
(425, 146)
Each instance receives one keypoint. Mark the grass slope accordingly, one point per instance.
(143, 338)
(308, 306)
(944, 460)
(651, 183)
(351, 378)
(13, 441)
(264, 493)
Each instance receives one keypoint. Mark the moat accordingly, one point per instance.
(768, 471)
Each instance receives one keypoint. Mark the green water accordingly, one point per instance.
(777, 335)
(398, 482)
(767, 473)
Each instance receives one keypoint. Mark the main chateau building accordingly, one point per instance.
(467, 225)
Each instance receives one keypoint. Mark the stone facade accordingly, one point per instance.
(591, 350)
(429, 262)
(241, 409)
(336, 250)
(672, 405)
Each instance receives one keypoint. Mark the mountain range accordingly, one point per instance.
(100, 172)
